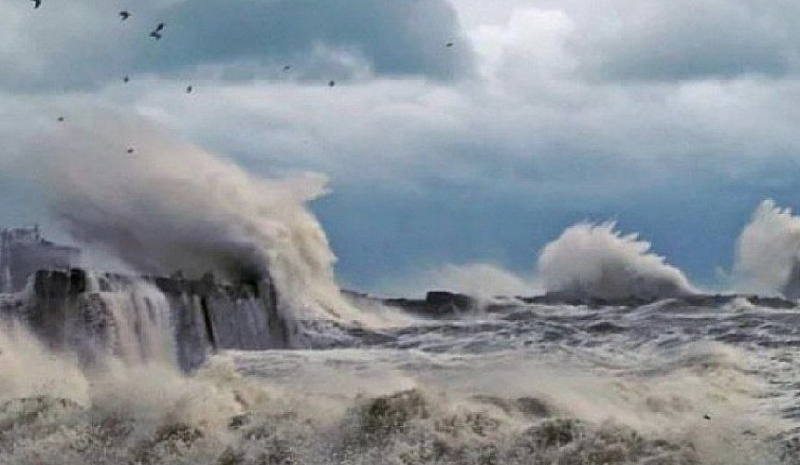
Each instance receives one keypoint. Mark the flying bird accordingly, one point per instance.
(287, 68)
(189, 89)
(60, 119)
(36, 3)
(331, 83)
(156, 34)
(130, 150)
(126, 79)
(124, 14)
(449, 44)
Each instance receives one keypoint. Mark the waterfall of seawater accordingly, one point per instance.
(132, 319)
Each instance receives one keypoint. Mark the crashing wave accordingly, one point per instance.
(597, 261)
(768, 252)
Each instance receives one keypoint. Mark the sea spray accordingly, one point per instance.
(768, 252)
(597, 261)
(174, 206)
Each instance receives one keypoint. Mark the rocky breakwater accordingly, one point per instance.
(141, 318)
(436, 304)
(449, 305)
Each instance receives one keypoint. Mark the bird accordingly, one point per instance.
(707, 416)
(287, 68)
(60, 119)
(331, 83)
(124, 14)
(36, 3)
(449, 44)
(156, 33)
(189, 89)
(130, 150)
(126, 79)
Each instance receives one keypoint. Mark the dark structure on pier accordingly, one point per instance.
(23, 251)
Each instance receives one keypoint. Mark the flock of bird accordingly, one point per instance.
(157, 34)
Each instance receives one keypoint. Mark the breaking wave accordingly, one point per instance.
(171, 206)
(768, 252)
(378, 407)
(597, 261)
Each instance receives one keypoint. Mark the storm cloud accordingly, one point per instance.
(675, 119)
(83, 44)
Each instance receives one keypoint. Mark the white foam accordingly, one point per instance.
(768, 252)
(596, 260)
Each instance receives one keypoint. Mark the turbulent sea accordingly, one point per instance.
(665, 383)
(671, 382)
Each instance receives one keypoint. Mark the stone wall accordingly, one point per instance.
(72, 310)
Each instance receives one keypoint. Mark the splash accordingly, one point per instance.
(479, 280)
(768, 252)
(597, 261)
(171, 206)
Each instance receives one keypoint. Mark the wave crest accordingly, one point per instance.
(768, 252)
(597, 261)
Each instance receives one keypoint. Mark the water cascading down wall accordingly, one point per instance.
(139, 319)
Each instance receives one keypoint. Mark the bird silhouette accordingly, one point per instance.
(156, 33)
(60, 119)
(331, 83)
(189, 89)
(130, 150)
(36, 3)
(124, 14)
(449, 44)
(126, 79)
(287, 68)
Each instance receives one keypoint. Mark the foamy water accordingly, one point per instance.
(672, 382)
(662, 383)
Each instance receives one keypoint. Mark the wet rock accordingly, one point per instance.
(437, 304)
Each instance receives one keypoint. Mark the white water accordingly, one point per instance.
(768, 252)
(173, 206)
(596, 260)
(141, 328)
(588, 401)
(662, 383)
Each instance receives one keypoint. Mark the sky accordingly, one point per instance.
(445, 163)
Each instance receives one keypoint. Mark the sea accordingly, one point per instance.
(673, 381)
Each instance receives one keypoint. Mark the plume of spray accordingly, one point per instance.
(597, 261)
(479, 280)
(171, 206)
(768, 252)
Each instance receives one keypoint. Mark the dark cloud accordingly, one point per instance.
(84, 43)
(393, 37)
(661, 114)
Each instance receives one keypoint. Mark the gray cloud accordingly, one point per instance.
(653, 40)
(83, 43)
(564, 124)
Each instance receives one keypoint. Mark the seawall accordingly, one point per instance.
(76, 310)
